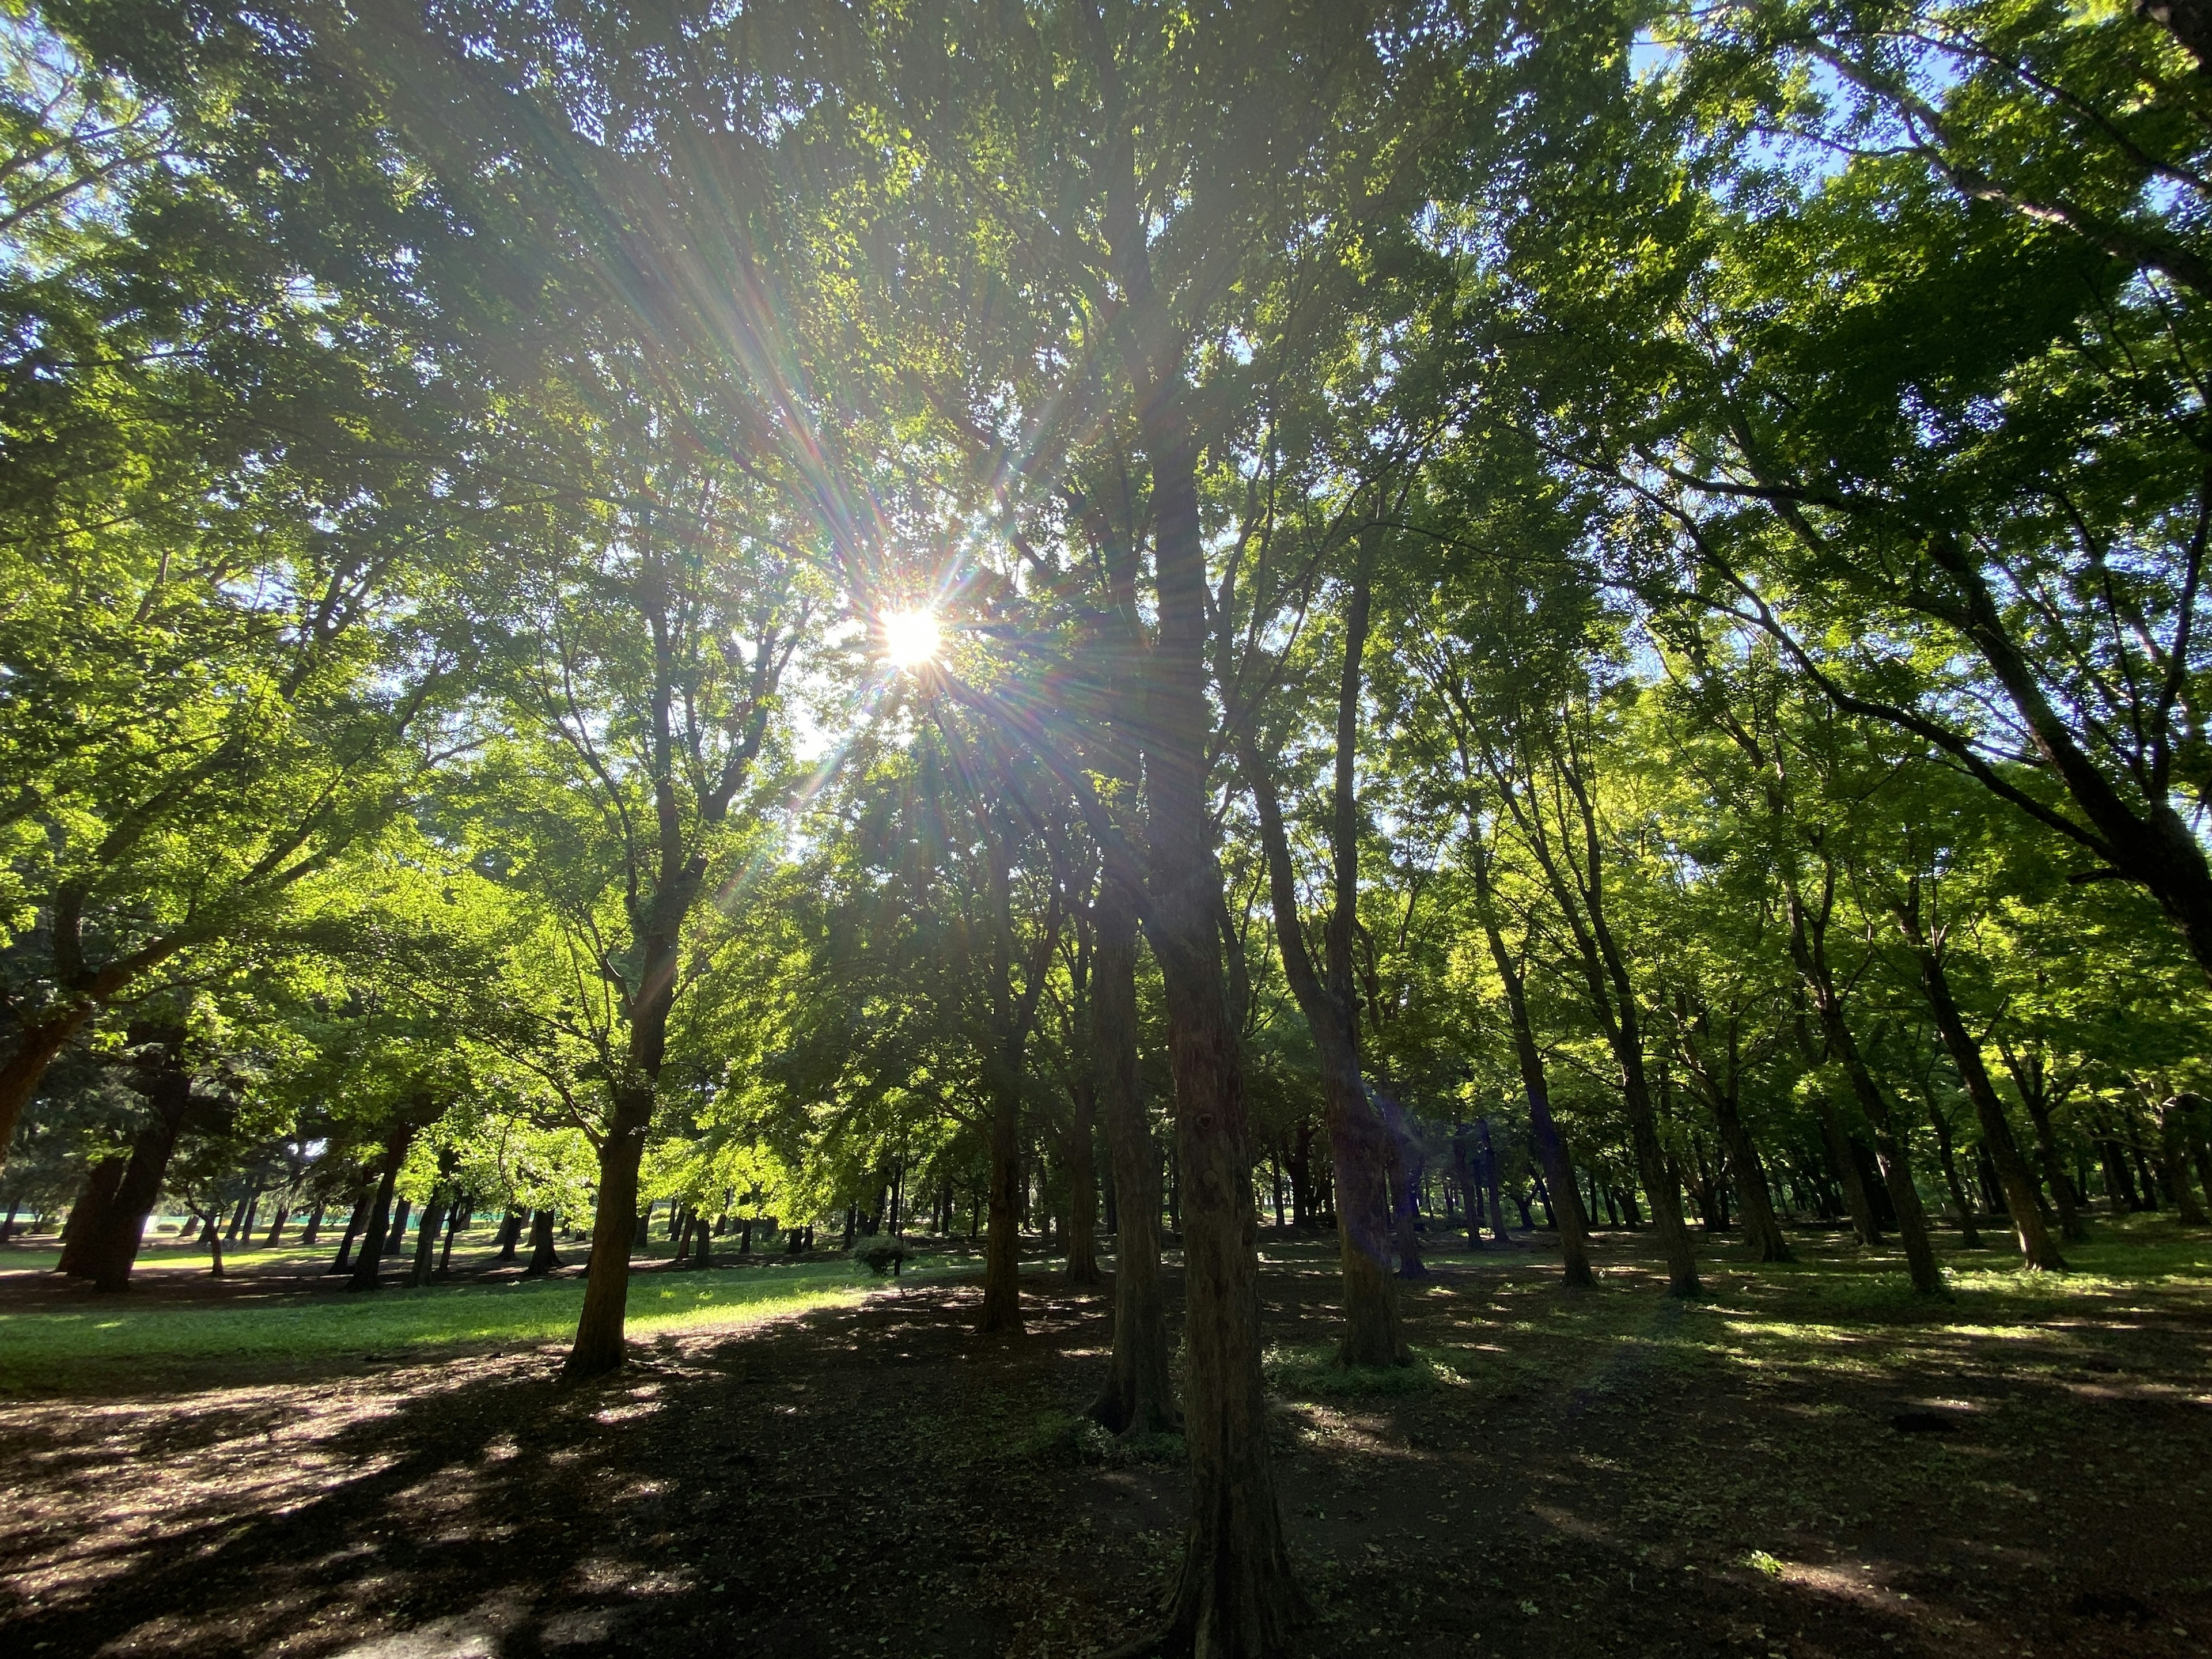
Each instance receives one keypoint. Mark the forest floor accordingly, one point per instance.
(1803, 1462)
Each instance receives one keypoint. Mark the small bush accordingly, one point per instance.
(881, 1257)
(1303, 1371)
(1063, 1438)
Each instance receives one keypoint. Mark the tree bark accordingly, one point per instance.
(1749, 1178)
(544, 1256)
(161, 1076)
(1577, 886)
(1235, 1596)
(395, 1232)
(356, 1217)
(370, 1260)
(87, 1214)
(1082, 1189)
(1543, 1133)
(1002, 1303)
(2031, 1080)
(1138, 1399)
(1969, 1234)
(37, 1044)
(2173, 1146)
(455, 1219)
(1359, 1153)
(2037, 1247)
(1405, 1192)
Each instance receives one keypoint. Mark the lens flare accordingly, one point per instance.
(909, 638)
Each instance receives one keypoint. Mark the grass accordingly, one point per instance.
(68, 1349)
(1303, 1373)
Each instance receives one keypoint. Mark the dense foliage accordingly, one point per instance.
(951, 615)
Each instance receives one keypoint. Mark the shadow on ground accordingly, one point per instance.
(1776, 1470)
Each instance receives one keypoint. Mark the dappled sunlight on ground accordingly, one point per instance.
(1807, 1462)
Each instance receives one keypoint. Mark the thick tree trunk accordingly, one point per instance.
(1659, 1183)
(25, 1068)
(395, 1231)
(2037, 1247)
(1138, 1398)
(2063, 1196)
(544, 1255)
(356, 1217)
(426, 1237)
(371, 1258)
(87, 1214)
(113, 1250)
(2174, 1144)
(599, 1346)
(456, 1219)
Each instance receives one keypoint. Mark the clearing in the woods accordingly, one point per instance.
(805, 1462)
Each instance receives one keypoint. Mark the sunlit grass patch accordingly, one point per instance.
(110, 1344)
(1305, 1372)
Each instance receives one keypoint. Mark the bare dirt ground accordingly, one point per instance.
(1577, 1476)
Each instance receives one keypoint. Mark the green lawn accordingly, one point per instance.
(110, 1346)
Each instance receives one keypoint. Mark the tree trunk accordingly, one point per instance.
(2174, 1143)
(1969, 1235)
(1760, 1227)
(510, 1234)
(161, 1076)
(1002, 1299)
(1137, 1398)
(395, 1233)
(1612, 992)
(544, 1257)
(600, 1346)
(356, 1215)
(312, 1230)
(1808, 946)
(1841, 1159)
(25, 1067)
(1405, 1193)
(87, 1214)
(455, 1219)
(2029, 1078)
(1360, 1153)
(370, 1260)
(1236, 1595)
(1463, 1171)
(426, 1237)
(2037, 1247)
(284, 1213)
(1082, 1191)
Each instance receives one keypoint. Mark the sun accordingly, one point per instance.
(910, 637)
